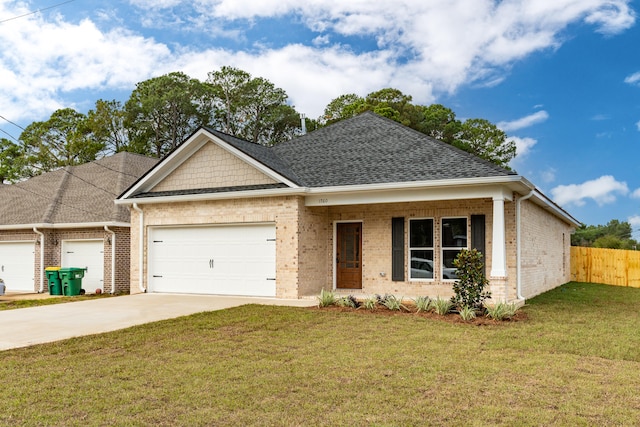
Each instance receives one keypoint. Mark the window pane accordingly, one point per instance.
(448, 270)
(454, 233)
(421, 233)
(421, 264)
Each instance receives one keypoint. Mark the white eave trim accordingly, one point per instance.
(188, 148)
(215, 196)
(65, 225)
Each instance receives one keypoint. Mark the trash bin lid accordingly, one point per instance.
(52, 268)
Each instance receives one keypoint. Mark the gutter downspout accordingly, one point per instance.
(113, 258)
(140, 249)
(519, 249)
(42, 241)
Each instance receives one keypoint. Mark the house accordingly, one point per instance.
(364, 206)
(68, 218)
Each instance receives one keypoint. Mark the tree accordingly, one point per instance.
(11, 161)
(107, 123)
(440, 122)
(614, 235)
(252, 108)
(63, 140)
(476, 136)
(485, 140)
(163, 111)
(342, 107)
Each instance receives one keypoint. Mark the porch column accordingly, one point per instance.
(498, 245)
(498, 283)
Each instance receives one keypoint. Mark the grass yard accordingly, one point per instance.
(575, 361)
(7, 303)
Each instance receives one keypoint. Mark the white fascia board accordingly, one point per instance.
(540, 199)
(186, 150)
(471, 188)
(249, 194)
(65, 225)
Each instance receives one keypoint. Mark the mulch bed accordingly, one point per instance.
(449, 318)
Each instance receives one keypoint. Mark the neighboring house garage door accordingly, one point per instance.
(87, 254)
(221, 260)
(17, 264)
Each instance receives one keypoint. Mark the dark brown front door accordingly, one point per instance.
(349, 256)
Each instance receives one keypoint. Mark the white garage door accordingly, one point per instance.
(17, 265)
(221, 260)
(87, 254)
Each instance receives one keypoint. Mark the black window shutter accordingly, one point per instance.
(477, 234)
(397, 249)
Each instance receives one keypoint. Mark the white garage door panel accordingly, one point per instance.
(17, 265)
(87, 254)
(223, 260)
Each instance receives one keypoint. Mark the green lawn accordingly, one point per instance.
(575, 361)
(11, 304)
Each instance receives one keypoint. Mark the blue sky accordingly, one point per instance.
(561, 77)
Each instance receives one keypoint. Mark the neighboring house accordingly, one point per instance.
(68, 218)
(366, 206)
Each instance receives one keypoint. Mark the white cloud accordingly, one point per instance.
(524, 122)
(633, 78)
(602, 190)
(548, 176)
(638, 125)
(523, 145)
(636, 194)
(420, 47)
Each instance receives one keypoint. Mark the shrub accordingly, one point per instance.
(348, 301)
(422, 304)
(467, 313)
(470, 287)
(501, 310)
(326, 298)
(370, 303)
(393, 303)
(442, 306)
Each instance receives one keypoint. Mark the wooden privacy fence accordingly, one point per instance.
(608, 266)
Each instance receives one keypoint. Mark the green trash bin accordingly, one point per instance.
(71, 279)
(53, 277)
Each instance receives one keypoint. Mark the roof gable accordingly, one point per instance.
(212, 161)
(212, 167)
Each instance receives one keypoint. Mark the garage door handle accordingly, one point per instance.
(3, 268)
(155, 275)
(211, 263)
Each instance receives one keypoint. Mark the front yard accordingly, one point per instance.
(575, 360)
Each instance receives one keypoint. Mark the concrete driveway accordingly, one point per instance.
(36, 325)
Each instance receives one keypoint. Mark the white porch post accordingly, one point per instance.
(498, 246)
(498, 282)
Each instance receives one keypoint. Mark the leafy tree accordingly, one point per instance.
(476, 136)
(342, 107)
(440, 122)
(63, 140)
(107, 122)
(11, 161)
(163, 111)
(251, 108)
(614, 235)
(485, 140)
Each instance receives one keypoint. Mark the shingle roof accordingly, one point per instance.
(74, 194)
(370, 149)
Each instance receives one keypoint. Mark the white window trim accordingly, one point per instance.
(433, 249)
(451, 248)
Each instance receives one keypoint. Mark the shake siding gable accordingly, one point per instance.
(212, 167)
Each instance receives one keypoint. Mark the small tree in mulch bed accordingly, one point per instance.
(470, 287)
